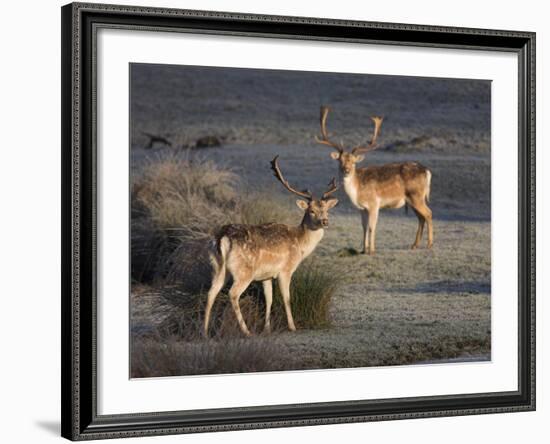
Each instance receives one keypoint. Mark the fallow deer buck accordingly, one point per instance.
(268, 251)
(383, 186)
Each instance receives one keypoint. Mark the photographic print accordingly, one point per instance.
(293, 220)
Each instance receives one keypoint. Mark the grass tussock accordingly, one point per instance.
(173, 357)
(184, 199)
(311, 290)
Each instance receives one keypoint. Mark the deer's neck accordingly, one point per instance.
(351, 188)
(308, 239)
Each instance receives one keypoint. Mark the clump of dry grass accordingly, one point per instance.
(173, 357)
(311, 289)
(261, 208)
(184, 198)
(176, 202)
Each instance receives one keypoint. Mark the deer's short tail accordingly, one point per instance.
(218, 253)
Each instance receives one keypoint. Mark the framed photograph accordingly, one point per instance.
(281, 221)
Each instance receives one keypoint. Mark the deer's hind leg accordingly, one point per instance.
(420, 230)
(218, 281)
(423, 211)
(238, 287)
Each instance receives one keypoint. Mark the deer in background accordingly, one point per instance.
(383, 186)
(266, 252)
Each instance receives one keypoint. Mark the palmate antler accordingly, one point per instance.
(372, 144)
(306, 194)
(324, 134)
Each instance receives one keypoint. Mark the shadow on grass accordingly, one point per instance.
(347, 252)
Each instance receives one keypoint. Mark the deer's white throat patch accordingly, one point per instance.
(311, 240)
(351, 190)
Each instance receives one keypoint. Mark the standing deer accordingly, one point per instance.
(268, 251)
(384, 186)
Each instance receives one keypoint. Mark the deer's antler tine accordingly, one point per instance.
(323, 118)
(377, 125)
(279, 175)
(324, 133)
(332, 188)
(372, 144)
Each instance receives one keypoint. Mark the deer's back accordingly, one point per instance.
(403, 173)
(257, 236)
(391, 182)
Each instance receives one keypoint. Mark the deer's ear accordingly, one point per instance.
(302, 204)
(335, 155)
(359, 158)
(331, 203)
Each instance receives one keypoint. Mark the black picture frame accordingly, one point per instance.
(78, 333)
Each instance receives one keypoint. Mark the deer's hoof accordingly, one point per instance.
(414, 247)
(267, 329)
(292, 328)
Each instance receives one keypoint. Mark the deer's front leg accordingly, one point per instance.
(268, 294)
(373, 219)
(284, 286)
(365, 223)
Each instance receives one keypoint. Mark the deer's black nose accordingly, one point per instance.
(324, 222)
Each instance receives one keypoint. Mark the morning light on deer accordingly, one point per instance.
(292, 220)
